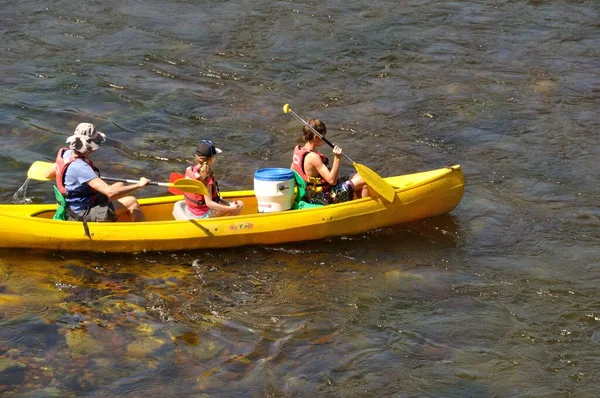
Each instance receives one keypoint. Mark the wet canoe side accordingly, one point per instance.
(418, 196)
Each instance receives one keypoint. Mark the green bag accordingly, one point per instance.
(61, 210)
(300, 204)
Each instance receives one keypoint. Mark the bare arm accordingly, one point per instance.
(118, 190)
(51, 172)
(216, 205)
(331, 176)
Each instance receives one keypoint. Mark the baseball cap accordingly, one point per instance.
(207, 148)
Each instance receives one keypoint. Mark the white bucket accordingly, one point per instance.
(274, 189)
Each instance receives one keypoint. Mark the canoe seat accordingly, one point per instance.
(61, 210)
(179, 210)
(300, 204)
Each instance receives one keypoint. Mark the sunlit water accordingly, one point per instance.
(499, 298)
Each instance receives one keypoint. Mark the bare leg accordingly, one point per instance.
(361, 189)
(365, 191)
(119, 208)
(240, 209)
(130, 205)
(218, 213)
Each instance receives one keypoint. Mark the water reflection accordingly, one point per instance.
(220, 320)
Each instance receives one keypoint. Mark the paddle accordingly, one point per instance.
(38, 170)
(176, 177)
(371, 178)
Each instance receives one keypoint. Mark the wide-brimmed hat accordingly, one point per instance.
(81, 144)
(87, 131)
(207, 148)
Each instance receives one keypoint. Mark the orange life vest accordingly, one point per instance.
(195, 202)
(312, 183)
(84, 190)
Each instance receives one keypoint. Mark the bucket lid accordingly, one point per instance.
(273, 174)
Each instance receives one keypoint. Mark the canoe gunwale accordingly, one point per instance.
(161, 200)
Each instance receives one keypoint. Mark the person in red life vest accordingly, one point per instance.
(88, 197)
(205, 206)
(323, 185)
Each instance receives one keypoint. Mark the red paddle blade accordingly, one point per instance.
(172, 178)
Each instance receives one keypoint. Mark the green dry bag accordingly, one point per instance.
(61, 210)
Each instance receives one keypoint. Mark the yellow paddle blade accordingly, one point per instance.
(376, 182)
(38, 170)
(188, 185)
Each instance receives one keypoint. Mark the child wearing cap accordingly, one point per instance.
(323, 185)
(212, 205)
(89, 198)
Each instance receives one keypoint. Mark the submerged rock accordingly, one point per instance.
(144, 346)
(81, 342)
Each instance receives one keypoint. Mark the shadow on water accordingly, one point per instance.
(443, 230)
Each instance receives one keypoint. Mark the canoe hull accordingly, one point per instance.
(418, 196)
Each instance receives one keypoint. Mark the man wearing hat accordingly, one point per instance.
(89, 198)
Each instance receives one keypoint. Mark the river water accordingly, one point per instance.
(498, 298)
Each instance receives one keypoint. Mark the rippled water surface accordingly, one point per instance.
(498, 298)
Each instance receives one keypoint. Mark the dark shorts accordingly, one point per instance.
(343, 191)
(103, 211)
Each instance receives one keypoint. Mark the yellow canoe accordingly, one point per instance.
(418, 196)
